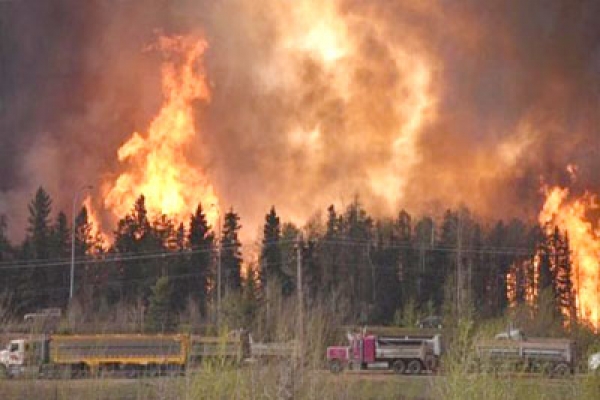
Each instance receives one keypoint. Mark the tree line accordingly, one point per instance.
(374, 269)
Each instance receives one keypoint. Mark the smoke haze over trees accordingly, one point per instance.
(418, 104)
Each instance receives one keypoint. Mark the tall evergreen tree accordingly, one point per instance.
(330, 252)
(134, 236)
(271, 257)
(84, 239)
(357, 232)
(388, 271)
(289, 255)
(424, 242)
(160, 315)
(231, 255)
(58, 277)
(446, 258)
(37, 246)
(201, 241)
(6, 284)
(407, 272)
(39, 229)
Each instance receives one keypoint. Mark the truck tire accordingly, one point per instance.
(414, 367)
(399, 367)
(335, 366)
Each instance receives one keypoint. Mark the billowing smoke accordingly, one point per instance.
(415, 104)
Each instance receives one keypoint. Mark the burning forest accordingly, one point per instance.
(391, 152)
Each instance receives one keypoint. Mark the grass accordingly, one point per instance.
(280, 381)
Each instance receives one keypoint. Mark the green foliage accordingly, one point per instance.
(201, 241)
(160, 316)
(231, 255)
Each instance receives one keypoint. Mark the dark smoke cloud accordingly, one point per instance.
(515, 90)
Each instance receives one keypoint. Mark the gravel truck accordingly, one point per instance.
(81, 355)
(514, 350)
(402, 354)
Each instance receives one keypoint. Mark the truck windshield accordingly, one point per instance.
(13, 347)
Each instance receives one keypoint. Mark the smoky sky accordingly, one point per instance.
(514, 94)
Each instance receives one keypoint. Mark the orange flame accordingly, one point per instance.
(570, 216)
(157, 166)
(94, 222)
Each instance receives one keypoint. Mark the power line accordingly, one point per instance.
(132, 256)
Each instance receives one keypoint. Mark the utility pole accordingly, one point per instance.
(458, 266)
(219, 244)
(220, 240)
(299, 289)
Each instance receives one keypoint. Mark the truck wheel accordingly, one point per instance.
(415, 367)
(335, 366)
(399, 367)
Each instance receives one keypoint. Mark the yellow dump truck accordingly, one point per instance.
(80, 355)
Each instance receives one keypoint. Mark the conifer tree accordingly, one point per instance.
(330, 254)
(135, 236)
(7, 284)
(84, 240)
(58, 277)
(357, 231)
(37, 246)
(201, 241)
(424, 242)
(39, 224)
(403, 239)
(160, 316)
(271, 257)
(231, 256)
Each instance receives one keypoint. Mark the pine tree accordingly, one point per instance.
(289, 258)
(424, 242)
(84, 239)
(445, 260)
(39, 224)
(135, 236)
(407, 273)
(7, 283)
(357, 231)
(385, 256)
(330, 254)
(59, 249)
(38, 247)
(250, 296)
(271, 256)
(312, 277)
(231, 256)
(201, 241)
(160, 316)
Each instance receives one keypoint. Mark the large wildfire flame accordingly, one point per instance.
(156, 164)
(570, 215)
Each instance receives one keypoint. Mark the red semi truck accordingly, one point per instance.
(402, 354)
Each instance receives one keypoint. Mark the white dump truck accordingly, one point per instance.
(554, 356)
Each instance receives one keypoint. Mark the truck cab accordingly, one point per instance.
(13, 357)
(21, 355)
